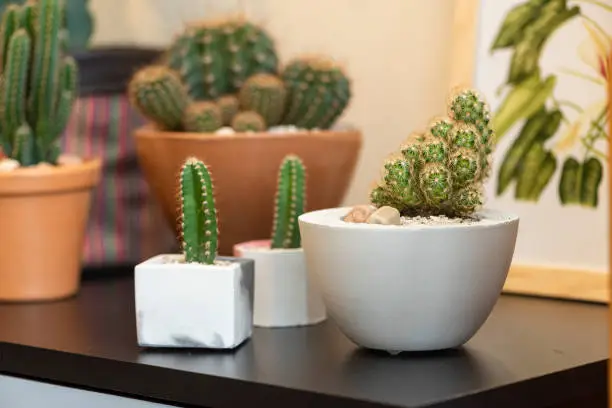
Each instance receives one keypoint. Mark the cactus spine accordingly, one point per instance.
(199, 226)
(290, 203)
(158, 94)
(266, 95)
(202, 117)
(229, 106)
(248, 121)
(39, 83)
(318, 92)
(442, 171)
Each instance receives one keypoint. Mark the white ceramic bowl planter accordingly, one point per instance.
(429, 279)
(284, 293)
(195, 300)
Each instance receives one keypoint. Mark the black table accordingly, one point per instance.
(530, 353)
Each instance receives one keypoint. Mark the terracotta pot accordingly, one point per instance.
(244, 167)
(43, 216)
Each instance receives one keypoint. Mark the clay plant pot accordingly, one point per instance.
(244, 167)
(43, 217)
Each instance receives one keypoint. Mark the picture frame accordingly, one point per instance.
(574, 283)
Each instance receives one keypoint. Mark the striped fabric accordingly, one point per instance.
(125, 227)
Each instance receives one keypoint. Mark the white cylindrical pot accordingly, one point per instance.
(284, 293)
(408, 288)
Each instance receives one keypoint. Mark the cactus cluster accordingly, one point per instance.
(198, 215)
(233, 64)
(442, 170)
(38, 83)
(290, 203)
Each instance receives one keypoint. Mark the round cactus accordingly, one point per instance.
(203, 117)
(442, 171)
(318, 92)
(229, 106)
(266, 95)
(248, 121)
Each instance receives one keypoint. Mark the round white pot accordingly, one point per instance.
(284, 294)
(408, 288)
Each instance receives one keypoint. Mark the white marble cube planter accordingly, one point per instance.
(285, 295)
(194, 305)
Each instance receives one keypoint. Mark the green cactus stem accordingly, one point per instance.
(318, 92)
(265, 94)
(229, 106)
(158, 94)
(215, 57)
(202, 117)
(39, 82)
(248, 121)
(198, 215)
(442, 172)
(290, 203)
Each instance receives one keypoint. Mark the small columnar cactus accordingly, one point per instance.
(203, 117)
(158, 93)
(290, 203)
(441, 171)
(248, 121)
(198, 215)
(229, 106)
(215, 57)
(38, 83)
(318, 92)
(266, 95)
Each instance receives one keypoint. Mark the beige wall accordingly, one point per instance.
(397, 52)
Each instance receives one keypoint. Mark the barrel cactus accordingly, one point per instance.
(248, 121)
(289, 204)
(266, 95)
(215, 57)
(38, 83)
(198, 214)
(203, 116)
(229, 106)
(318, 92)
(441, 171)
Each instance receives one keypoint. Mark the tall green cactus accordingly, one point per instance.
(198, 222)
(265, 94)
(39, 83)
(290, 203)
(318, 92)
(214, 58)
(442, 171)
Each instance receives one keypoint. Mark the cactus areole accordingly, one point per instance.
(38, 82)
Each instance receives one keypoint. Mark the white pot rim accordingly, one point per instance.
(332, 218)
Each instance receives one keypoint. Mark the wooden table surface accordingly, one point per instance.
(530, 353)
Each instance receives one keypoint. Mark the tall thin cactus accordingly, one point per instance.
(198, 220)
(38, 84)
(290, 203)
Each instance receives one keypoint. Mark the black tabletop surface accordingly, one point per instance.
(530, 353)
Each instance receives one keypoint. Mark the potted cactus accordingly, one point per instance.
(195, 299)
(422, 266)
(284, 293)
(221, 93)
(44, 195)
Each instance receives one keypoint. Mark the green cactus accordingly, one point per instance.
(214, 58)
(198, 215)
(229, 106)
(39, 83)
(158, 94)
(202, 117)
(265, 94)
(290, 203)
(442, 171)
(318, 92)
(248, 121)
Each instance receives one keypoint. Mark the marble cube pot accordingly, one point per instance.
(284, 293)
(194, 305)
(408, 287)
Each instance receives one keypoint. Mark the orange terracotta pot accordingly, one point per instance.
(43, 216)
(244, 167)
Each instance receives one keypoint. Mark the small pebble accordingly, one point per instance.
(385, 215)
(359, 214)
(225, 130)
(69, 159)
(9, 165)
